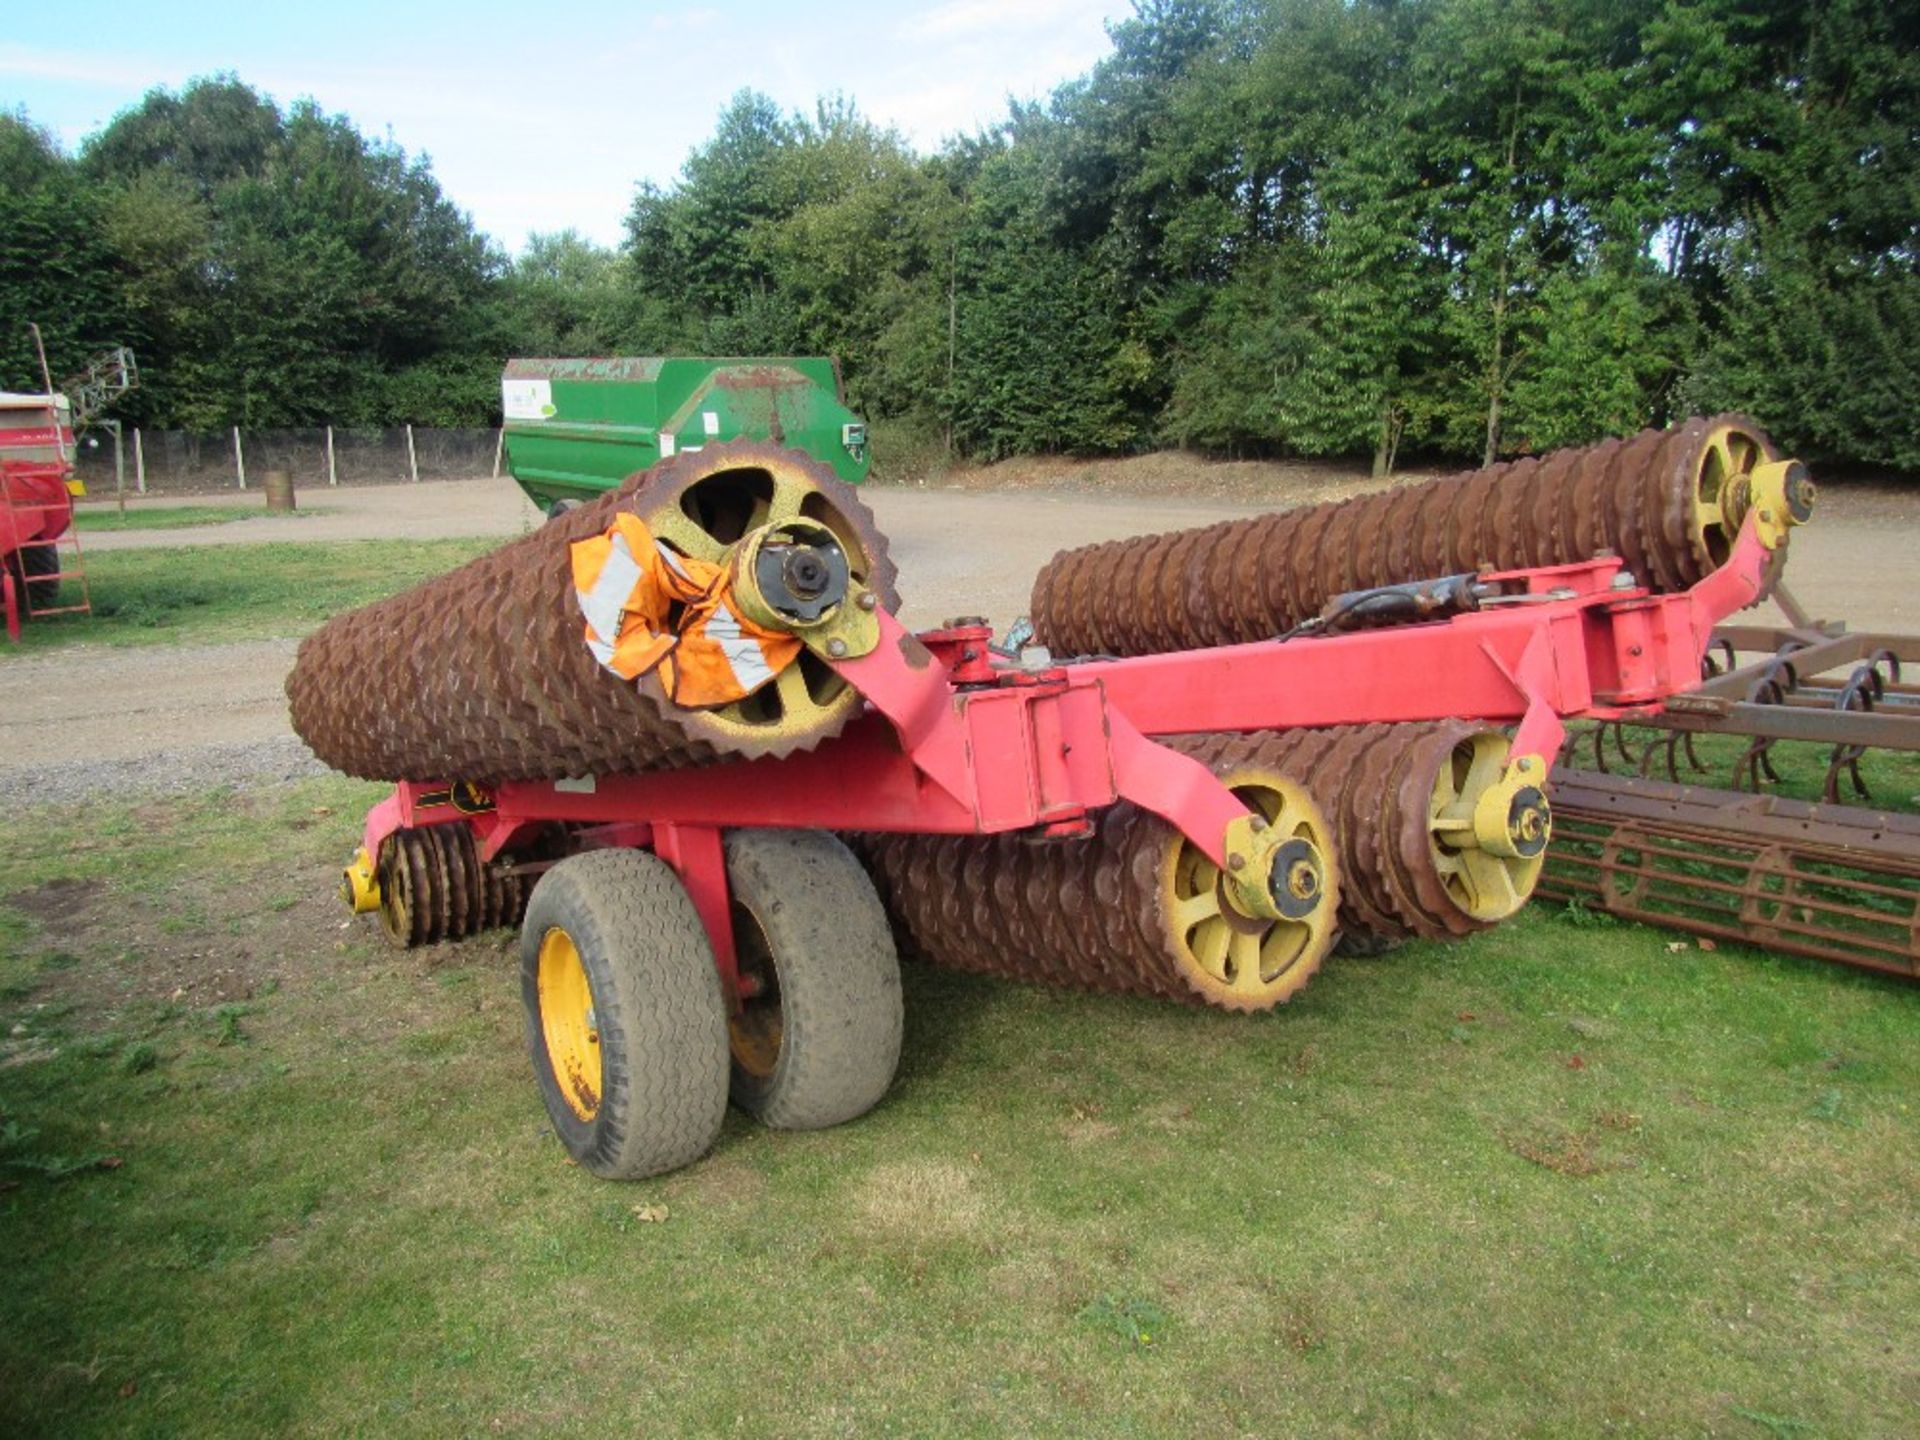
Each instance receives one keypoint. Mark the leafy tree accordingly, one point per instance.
(1478, 227)
(1040, 363)
(55, 270)
(215, 131)
(563, 296)
(284, 270)
(1806, 155)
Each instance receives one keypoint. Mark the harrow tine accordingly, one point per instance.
(1863, 688)
(1620, 741)
(1698, 765)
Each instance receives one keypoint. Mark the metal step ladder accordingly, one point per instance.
(20, 583)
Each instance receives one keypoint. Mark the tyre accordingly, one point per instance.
(819, 1041)
(561, 507)
(37, 561)
(625, 1019)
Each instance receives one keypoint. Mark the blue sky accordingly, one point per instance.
(543, 116)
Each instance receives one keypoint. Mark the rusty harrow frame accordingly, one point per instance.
(1833, 880)
(1808, 681)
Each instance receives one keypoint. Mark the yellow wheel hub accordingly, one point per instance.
(567, 1023)
(1489, 825)
(1247, 961)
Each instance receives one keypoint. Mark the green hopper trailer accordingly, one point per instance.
(577, 428)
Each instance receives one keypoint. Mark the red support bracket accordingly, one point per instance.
(697, 856)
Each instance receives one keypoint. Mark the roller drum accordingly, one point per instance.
(1100, 913)
(483, 674)
(1133, 909)
(1668, 502)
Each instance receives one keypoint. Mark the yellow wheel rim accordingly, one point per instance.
(567, 1023)
(711, 516)
(1244, 961)
(1719, 501)
(1484, 885)
(757, 1027)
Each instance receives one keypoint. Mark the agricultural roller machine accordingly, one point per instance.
(39, 547)
(641, 731)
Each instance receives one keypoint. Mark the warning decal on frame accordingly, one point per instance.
(526, 399)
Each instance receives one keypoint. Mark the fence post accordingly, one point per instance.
(333, 476)
(499, 443)
(139, 464)
(413, 460)
(239, 458)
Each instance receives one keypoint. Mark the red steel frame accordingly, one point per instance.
(958, 745)
(36, 506)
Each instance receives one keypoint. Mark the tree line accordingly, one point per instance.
(1463, 228)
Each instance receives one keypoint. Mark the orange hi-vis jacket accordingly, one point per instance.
(649, 607)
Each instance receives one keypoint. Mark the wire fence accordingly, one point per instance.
(178, 462)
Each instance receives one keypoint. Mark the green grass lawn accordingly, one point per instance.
(209, 595)
(172, 517)
(262, 1175)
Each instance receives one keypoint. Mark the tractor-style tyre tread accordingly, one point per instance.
(658, 1009)
(37, 561)
(841, 1007)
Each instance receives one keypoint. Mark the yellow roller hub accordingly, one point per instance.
(1247, 961)
(1489, 825)
(567, 1024)
(1721, 488)
(359, 886)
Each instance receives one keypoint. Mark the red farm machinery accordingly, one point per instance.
(42, 573)
(39, 551)
(679, 737)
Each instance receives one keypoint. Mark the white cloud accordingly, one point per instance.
(76, 68)
(999, 18)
